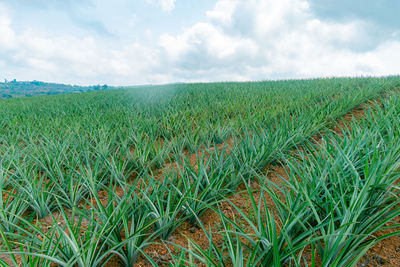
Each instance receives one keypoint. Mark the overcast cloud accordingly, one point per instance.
(162, 41)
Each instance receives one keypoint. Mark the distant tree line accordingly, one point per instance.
(14, 88)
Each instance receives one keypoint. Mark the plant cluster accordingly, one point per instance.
(84, 178)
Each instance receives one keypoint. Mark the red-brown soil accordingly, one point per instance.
(386, 253)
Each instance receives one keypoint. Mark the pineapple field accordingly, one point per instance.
(272, 173)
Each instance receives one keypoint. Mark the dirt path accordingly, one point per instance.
(386, 253)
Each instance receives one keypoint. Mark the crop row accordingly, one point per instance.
(339, 199)
(87, 164)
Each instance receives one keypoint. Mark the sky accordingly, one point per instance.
(131, 42)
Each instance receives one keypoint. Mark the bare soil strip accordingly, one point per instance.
(386, 253)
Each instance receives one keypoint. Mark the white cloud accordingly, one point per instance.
(222, 13)
(66, 58)
(240, 40)
(261, 39)
(7, 36)
(385, 58)
(166, 5)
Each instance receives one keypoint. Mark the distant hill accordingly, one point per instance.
(10, 89)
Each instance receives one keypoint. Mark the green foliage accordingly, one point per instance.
(94, 159)
(15, 88)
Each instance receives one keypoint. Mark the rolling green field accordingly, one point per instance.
(105, 178)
